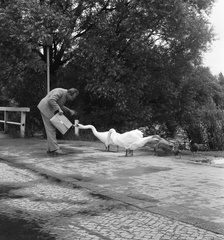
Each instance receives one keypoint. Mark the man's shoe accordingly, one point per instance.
(59, 152)
(50, 152)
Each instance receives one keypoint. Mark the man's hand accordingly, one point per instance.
(73, 112)
(60, 112)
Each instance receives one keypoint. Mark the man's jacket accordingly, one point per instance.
(53, 102)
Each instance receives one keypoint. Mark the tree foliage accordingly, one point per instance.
(136, 62)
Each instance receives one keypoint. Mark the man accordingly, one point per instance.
(51, 104)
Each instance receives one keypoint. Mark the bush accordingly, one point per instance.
(206, 126)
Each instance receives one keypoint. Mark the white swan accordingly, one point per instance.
(124, 139)
(102, 136)
(154, 139)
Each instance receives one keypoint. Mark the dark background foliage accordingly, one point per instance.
(136, 63)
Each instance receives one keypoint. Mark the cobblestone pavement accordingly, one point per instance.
(93, 194)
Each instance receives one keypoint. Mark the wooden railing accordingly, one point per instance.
(22, 123)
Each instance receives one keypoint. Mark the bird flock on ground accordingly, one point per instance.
(134, 139)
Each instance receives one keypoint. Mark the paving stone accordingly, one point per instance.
(185, 194)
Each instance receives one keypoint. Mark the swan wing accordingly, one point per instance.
(127, 138)
(138, 132)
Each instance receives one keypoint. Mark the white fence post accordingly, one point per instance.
(76, 128)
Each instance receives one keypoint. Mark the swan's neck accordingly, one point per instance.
(87, 127)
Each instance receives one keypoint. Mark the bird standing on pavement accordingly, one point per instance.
(176, 151)
(124, 140)
(102, 136)
(193, 146)
(165, 145)
(142, 141)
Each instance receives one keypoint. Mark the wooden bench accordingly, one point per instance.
(22, 123)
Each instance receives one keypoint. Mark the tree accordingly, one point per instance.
(132, 59)
(221, 79)
(140, 54)
(202, 114)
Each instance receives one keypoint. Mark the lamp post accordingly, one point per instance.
(48, 42)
